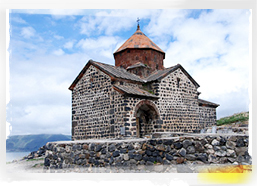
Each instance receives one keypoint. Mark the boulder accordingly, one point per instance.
(215, 142)
(241, 150)
(111, 148)
(220, 153)
(98, 148)
(230, 145)
(190, 157)
(169, 157)
(240, 142)
(199, 146)
(231, 153)
(182, 152)
(180, 160)
(187, 143)
(178, 145)
(190, 149)
(126, 157)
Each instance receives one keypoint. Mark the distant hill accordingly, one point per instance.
(22, 143)
(235, 120)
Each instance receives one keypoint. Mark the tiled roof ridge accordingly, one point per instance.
(207, 102)
(139, 40)
(134, 91)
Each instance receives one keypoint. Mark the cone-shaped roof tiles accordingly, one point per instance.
(139, 40)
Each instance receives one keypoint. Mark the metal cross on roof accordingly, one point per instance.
(138, 28)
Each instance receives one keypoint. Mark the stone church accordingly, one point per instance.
(138, 96)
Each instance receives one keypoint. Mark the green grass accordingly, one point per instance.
(233, 119)
(39, 159)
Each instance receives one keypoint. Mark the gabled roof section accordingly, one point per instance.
(203, 103)
(140, 41)
(158, 75)
(110, 70)
(134, 91)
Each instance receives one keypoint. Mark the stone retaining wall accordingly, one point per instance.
(201, 149)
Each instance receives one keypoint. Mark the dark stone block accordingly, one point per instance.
(186, 143)
(152, 159)
(123, 151)
(92, 153)
(199, 147)
(111, 111)
(202, 157)
(134, 124)
(92, 147)
(127, 109)
(159, 142)
(55, 157)
(148, 152)
(111, 160)
(152, 142)
(190, 157)
(46, 162)
(168, 142)
(112, 148)
(169, 157)
(103, 151)
(223, 141)
(159, 159)
(115, 153)
(98, 148)
(155, 154)
(131, 155)
(130, 147)
(182, 152)
(240, 142)
(138, 157)
(91, 160)
(178, 145)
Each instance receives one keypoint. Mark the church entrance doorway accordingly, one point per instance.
(146, 116)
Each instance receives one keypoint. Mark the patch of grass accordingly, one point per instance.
(39, 159)
(233, 119)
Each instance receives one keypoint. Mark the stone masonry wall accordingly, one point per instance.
(178, 103)
(94, 103)
(207, 116)
(208, 149)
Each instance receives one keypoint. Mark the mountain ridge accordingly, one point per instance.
(32, 142)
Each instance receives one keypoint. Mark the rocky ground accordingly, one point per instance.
(37, 166)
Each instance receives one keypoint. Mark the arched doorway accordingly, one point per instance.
(146, 114)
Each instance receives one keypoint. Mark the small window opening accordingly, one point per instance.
(178, 80)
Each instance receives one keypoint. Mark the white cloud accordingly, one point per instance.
(110, 22)
(28, 32)
(69, 45)
(102, 48)
(58, 37)
(58, 52)
(18, 20)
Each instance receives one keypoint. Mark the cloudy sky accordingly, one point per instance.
(48, 48)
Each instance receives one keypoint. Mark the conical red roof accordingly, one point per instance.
(139, 40)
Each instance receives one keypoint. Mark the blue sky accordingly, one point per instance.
(48, 48)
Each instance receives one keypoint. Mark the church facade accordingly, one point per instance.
(138, 96)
